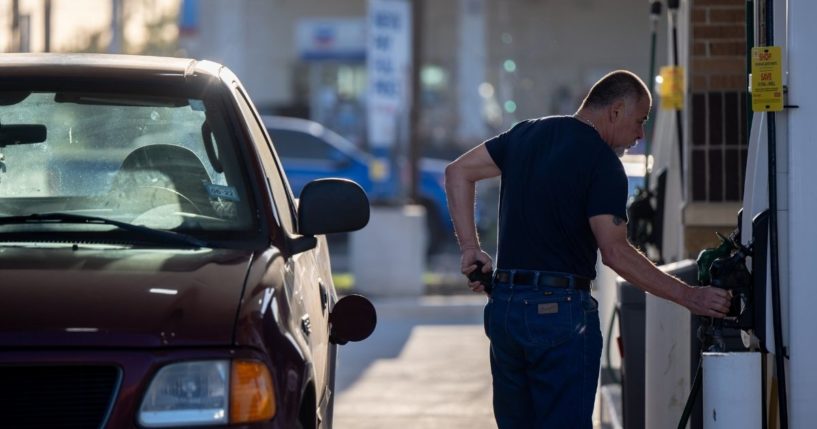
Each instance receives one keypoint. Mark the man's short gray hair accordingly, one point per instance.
(614, 86)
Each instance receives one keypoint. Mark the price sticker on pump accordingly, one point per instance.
(767, 79)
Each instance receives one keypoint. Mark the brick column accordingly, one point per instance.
(718, 140)
(718, 60)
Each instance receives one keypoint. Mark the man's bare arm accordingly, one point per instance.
(460, 183)
(617, 253)
(460, 188)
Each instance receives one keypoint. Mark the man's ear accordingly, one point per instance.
(616, 110)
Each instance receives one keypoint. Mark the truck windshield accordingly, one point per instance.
(161, 162)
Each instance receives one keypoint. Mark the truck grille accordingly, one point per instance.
(56, 396)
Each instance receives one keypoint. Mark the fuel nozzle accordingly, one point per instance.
(730, 273)
(708, 256)
(724, 267)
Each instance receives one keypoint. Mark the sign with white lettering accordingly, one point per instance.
(388, 61)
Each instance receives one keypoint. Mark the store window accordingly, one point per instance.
(719, 146)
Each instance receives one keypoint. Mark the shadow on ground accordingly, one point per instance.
(397, 317)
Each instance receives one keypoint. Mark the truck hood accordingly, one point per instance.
(109, 296)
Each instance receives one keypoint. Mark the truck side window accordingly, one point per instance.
(280, 192)
(300, 145)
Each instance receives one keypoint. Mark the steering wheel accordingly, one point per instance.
(160, 195)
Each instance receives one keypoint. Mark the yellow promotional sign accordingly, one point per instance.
(671, 87)
(767, 79)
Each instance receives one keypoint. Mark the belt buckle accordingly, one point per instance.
(561, 281)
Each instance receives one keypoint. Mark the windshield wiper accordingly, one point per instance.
(160, 235)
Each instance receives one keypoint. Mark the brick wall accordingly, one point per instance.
(718, 60)
(704, 237)
(718, 138)
(718, 93)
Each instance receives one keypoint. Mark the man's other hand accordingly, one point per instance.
(468, 265)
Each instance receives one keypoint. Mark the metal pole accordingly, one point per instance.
(655, 14)
(750, 43)
(679, 125)
(115, 46)
(47, 18)
(673, 5)
(14, 43)
(415, 144)
(774, 252)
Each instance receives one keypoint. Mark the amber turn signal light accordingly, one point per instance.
(252, 395)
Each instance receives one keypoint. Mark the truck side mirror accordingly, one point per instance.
(332, 205)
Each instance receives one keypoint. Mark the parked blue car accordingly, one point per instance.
(308, 151)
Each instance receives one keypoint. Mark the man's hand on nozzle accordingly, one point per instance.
(468, 264)
(707, 301)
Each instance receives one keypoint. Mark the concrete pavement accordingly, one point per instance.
(426, 366)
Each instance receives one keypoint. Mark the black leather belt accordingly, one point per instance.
(541, 278)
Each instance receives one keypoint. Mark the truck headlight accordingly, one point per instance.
(208, 393)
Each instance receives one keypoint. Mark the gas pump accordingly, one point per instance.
(775, 202)
(768, 264)
(725, 267)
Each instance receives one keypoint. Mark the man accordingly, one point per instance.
(563, 196)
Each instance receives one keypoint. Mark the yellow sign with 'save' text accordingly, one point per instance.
(767, 79)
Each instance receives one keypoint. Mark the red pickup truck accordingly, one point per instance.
(184, 287)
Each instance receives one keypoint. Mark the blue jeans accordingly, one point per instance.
(545, 356)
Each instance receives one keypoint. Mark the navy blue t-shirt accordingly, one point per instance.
(557, 173)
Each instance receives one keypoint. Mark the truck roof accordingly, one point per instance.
(102, 65)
